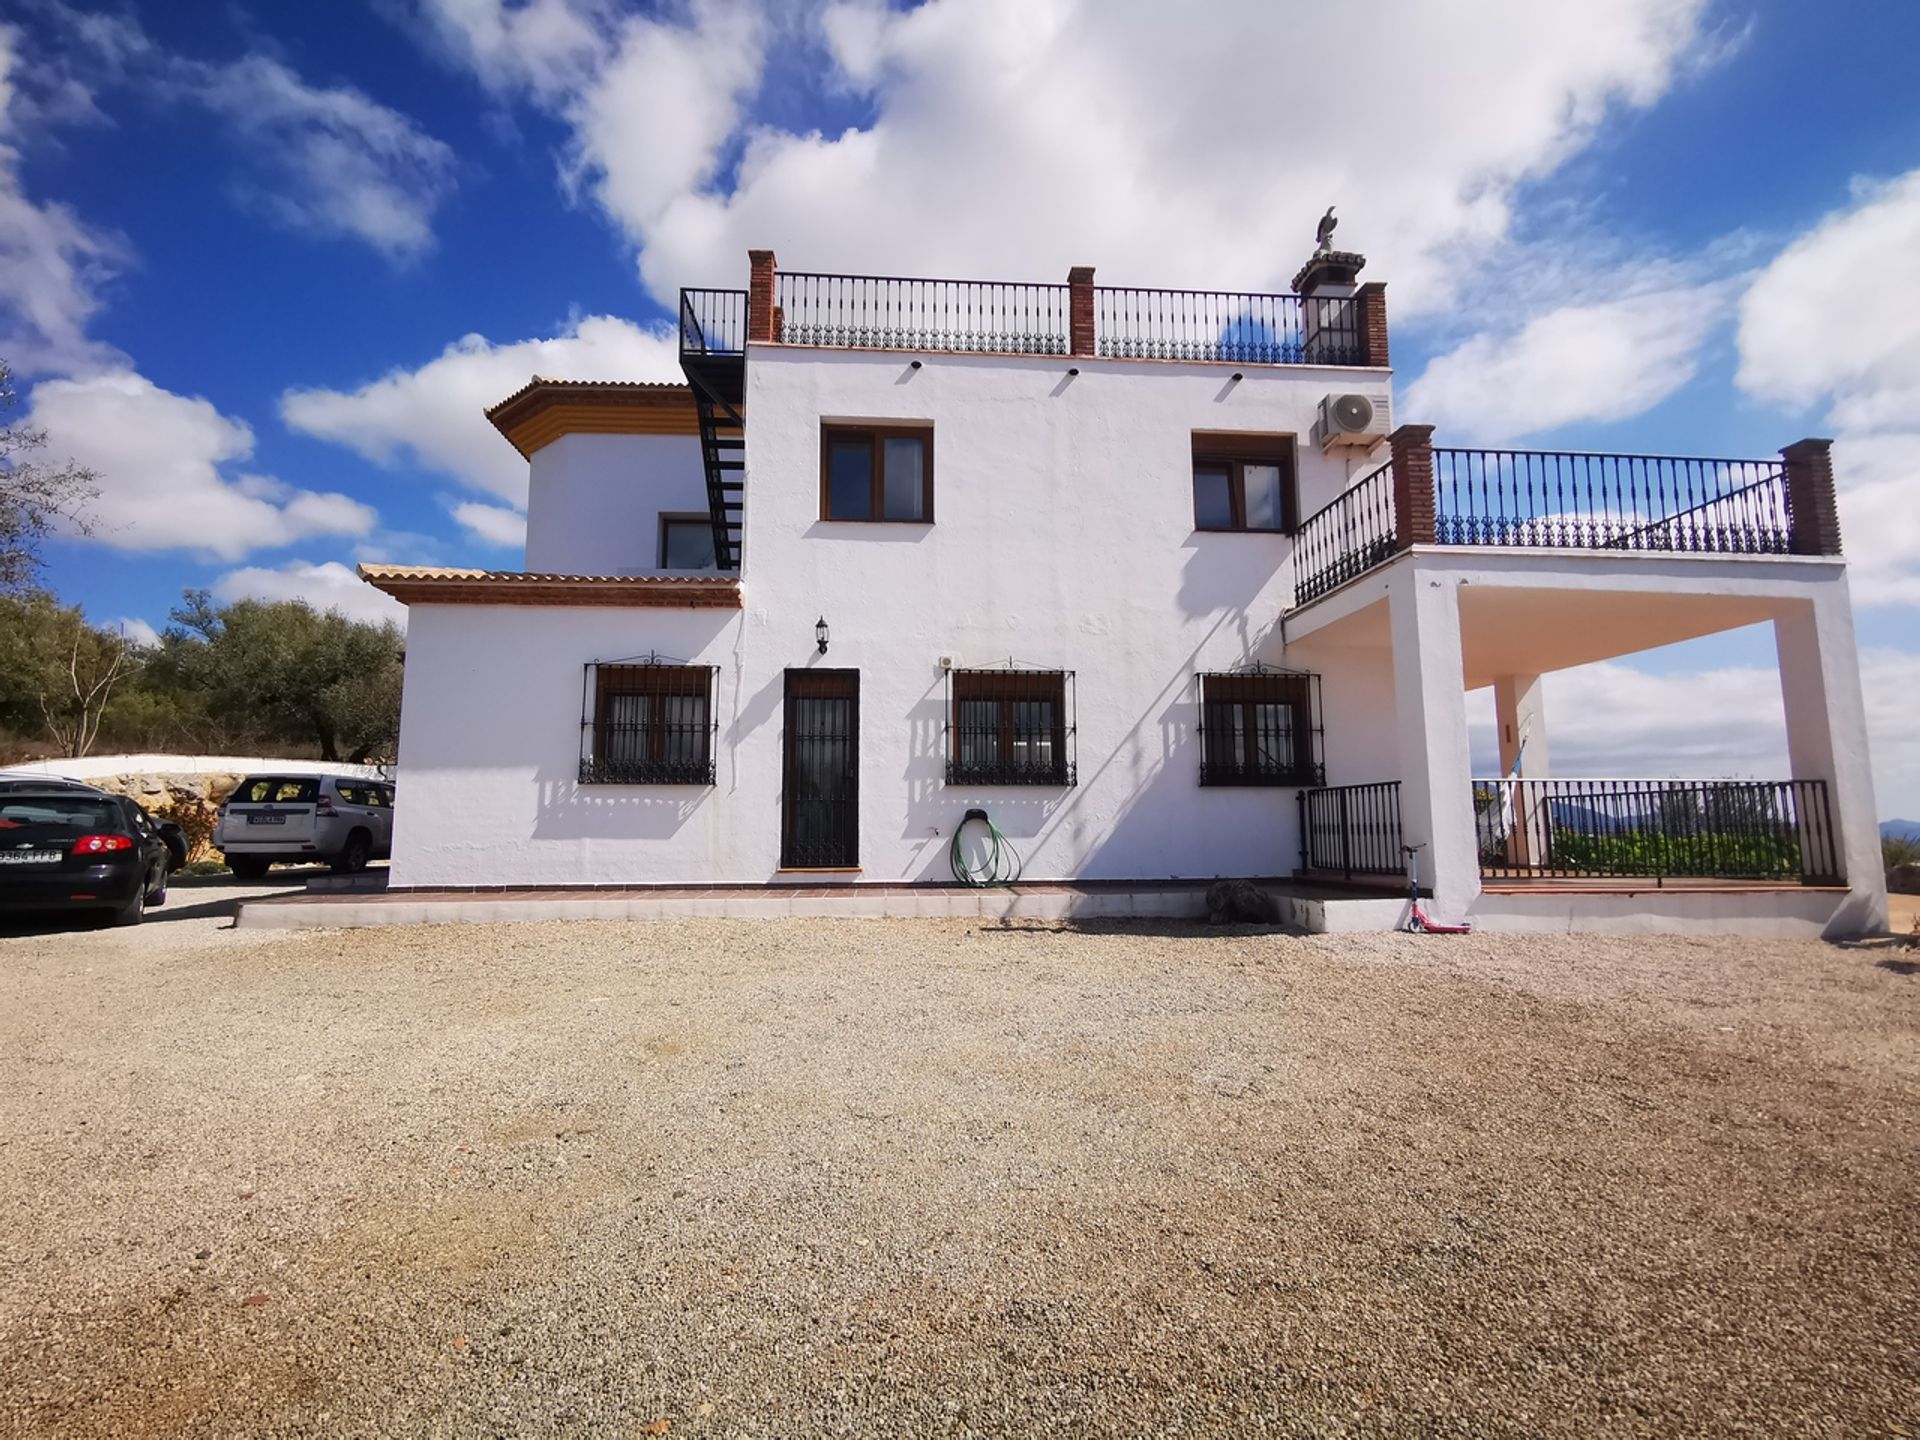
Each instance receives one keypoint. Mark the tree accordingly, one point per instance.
(292, 671)
(58, 670)
(34, 495)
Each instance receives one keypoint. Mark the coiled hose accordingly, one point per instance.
(1002, 863)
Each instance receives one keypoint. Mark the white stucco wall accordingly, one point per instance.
(594, 501)
(1063, 538)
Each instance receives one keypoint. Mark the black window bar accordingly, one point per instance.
(646, 720)
(1011, 726)
(1260, 725)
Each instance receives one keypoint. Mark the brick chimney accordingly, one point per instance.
(1350, 333)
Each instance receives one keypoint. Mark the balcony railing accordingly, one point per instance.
(1347, 538)
(1561, 500)
(713, 322)
(1350, 830)
(1235, 326)
(1756, 830)
(884, 312)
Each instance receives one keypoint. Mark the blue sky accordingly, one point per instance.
(237, 242)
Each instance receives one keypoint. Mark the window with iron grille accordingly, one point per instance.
(1260, 727)
(647, 722)
(1010, 727)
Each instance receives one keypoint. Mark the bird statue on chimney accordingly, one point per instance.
(1323, 236)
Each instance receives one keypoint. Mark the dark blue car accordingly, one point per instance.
(65, 848)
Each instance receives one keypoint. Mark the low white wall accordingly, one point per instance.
(93, 767)
(1767, 914)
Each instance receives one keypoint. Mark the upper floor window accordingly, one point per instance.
(1010, 727)
(686, 542)
(1259, 727)
(1244, 482)
(876, 473)
(649, 723)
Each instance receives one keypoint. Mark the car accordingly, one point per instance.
(15, 781)
(74, 848)
(341, 819)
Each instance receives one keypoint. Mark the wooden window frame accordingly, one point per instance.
(1005, 690)
(682, 517)
(659, 682)
(1233, 453)
(876, 436)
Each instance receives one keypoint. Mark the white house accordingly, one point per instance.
(1149, 576)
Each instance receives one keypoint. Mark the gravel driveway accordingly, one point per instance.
(910, 1178)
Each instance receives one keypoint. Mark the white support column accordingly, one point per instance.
(1436, 768)
(1520, 721)
(1827, 740)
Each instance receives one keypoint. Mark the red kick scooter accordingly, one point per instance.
(1417, 918)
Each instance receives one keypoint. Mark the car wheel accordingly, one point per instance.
(135, 910)
(353, 858)
(247, 867)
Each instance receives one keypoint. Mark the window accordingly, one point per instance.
(869, 473)
(1244, 482)
(647, 724)
(1259, 727)
(263, 789)
(686, 542)
(1010, 727)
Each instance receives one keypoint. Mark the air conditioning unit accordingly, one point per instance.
(1352, 421)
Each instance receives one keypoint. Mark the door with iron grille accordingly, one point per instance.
(820, 797)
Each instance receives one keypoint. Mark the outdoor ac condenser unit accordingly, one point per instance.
(1352, 421)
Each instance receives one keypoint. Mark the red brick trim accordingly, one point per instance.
(761, 319)
(1413, 500)
(1080, 310)
(1813, 512)
(1372, 299)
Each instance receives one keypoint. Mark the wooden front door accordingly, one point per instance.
(820, 793)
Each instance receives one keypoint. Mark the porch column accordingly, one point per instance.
(1520, 721)
(1430, 705)
(1827, 740)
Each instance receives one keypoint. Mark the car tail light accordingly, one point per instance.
(325, 806)
(100, 844)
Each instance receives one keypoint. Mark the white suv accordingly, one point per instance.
(304, 818)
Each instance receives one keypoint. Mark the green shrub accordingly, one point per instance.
(1755, 854)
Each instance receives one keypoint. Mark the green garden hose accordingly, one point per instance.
(1002, 864)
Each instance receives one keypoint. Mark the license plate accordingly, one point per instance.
(30, 857)
(266, 819)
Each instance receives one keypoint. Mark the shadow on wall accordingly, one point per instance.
(568, 810)
(1225, 573)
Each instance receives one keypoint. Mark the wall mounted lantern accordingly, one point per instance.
(820, 633)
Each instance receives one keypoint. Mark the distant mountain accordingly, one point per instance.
(1903, 829)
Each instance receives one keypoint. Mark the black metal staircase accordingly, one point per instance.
(713, 353)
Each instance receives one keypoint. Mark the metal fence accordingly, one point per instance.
(1350, 830)
(1346, 538)
(1656, 829)
(1240, 327)
(886, 312)
(713, 322)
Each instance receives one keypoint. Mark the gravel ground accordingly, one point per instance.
(929, 1178)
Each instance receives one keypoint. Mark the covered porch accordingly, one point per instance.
(1516, 844)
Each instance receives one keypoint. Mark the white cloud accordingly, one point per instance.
(1614, 719)
(492, 524)
(52, 266)
(434, 415)
(1833, 323)
(138, 631)
(1601, 361)
(162, 462)
(1014, 137)
(332, 161)
(328, 585)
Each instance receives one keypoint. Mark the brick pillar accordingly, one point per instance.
(761, 322)
(1080, 310)
(1372, 300)
(1810, 501)
(1412, 447)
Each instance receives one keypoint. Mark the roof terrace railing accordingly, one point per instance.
(1239, 327)
(888, 312)
(713, 322)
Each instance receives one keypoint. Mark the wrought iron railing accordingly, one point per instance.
(1235, 326)
(713, 322)
(1665, 504)
(1260, 726)
(1350, 830)
(1012, 726)
(1779, 830)
(646, 721)
(887, 312)
(1346, 538)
